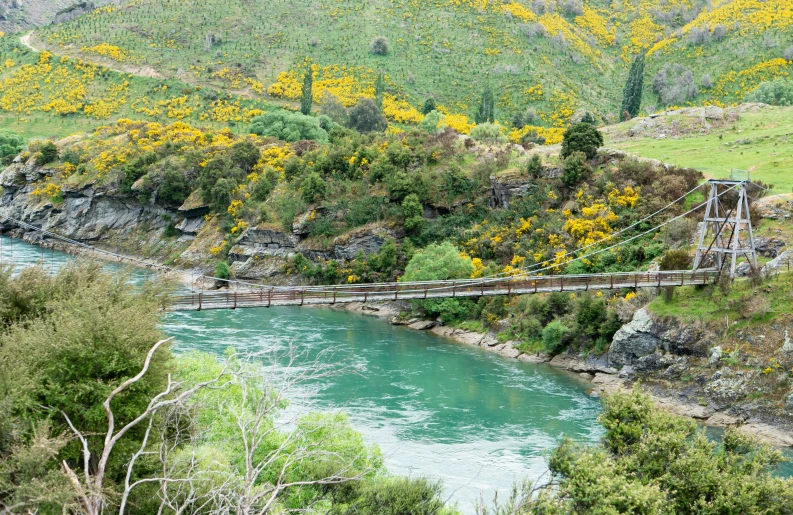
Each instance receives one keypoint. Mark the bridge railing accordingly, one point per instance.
(274, 296)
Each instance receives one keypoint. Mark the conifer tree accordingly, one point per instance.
(429, 106)
(306, 97)
(486, 112)
(379, 89)
(632, 93)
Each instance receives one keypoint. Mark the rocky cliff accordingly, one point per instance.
(112, 220)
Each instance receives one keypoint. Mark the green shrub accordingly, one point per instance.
(555, 336)
(245, 155)
(575, 170)
(440, 262)
(289, 127)
(676, 260)
(489, 133)
(11, 144)
(264, 184)
(534, 167)
(429, 106)
(778, 92)
(366, 117)
(174, 189)
(49, 153)
(581, 137)
(431, 122)
(135, 169)
(413, 213)
(379, 46)
(313, 188)
(399, 496)
(222, 270)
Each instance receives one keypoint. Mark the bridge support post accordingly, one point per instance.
(727, 242)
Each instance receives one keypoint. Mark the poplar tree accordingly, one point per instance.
(379, 89)
(306, 97)
(487, 111)
(632, 93)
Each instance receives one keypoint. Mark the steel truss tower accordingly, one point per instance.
(729, 231)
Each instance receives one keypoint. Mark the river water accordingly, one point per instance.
(474, 420)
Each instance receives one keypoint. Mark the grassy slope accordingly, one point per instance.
(438, 47)
(759, 142)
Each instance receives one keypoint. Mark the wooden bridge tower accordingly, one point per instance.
(729, 231)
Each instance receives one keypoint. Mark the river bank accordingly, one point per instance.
(602, 378)
(595, 371)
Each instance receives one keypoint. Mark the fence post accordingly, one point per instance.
(396, 290)
(235, 301)
(334, 295)
(659, 278)
(425, 291)
(587, 283)
(365, 296)
(269, 297)
(199, 301)
(509, 286)
(454, 289)
(561, 283)
(302, 296)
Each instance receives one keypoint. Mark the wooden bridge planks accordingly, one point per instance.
(327, 295)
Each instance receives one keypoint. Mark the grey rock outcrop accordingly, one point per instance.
(643, 342)
(87, 213)
(780, 263)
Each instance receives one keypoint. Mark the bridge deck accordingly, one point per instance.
(267, 296)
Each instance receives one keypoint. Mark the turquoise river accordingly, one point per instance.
(474, 420)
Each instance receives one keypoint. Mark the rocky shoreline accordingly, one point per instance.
(603, 377)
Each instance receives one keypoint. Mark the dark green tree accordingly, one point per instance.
(486, 113)
(174, 190)
(365, 117)
(575, 169)
(379, 89)
(306, 98)
(534, 166)
(581, 137)
(245, 155)
(413, 213)
(632, 93)
(313, 187)
(49, 153)
(429, 106)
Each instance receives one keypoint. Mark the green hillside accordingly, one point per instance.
(757, 141)
(552, 57)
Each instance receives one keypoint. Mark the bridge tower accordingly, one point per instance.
(728, 231)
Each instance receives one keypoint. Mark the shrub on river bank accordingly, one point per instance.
(653, 462)
(97, 418)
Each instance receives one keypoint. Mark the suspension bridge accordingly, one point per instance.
(722, 227)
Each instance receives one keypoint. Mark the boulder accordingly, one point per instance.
(779, 264)
(714, 356)
(633, 340)
(509, 350)
(789, 403)
(643, 341)
(768, 247)
(423, 325)
(723, 420)
(534, 358)
(787, 346)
